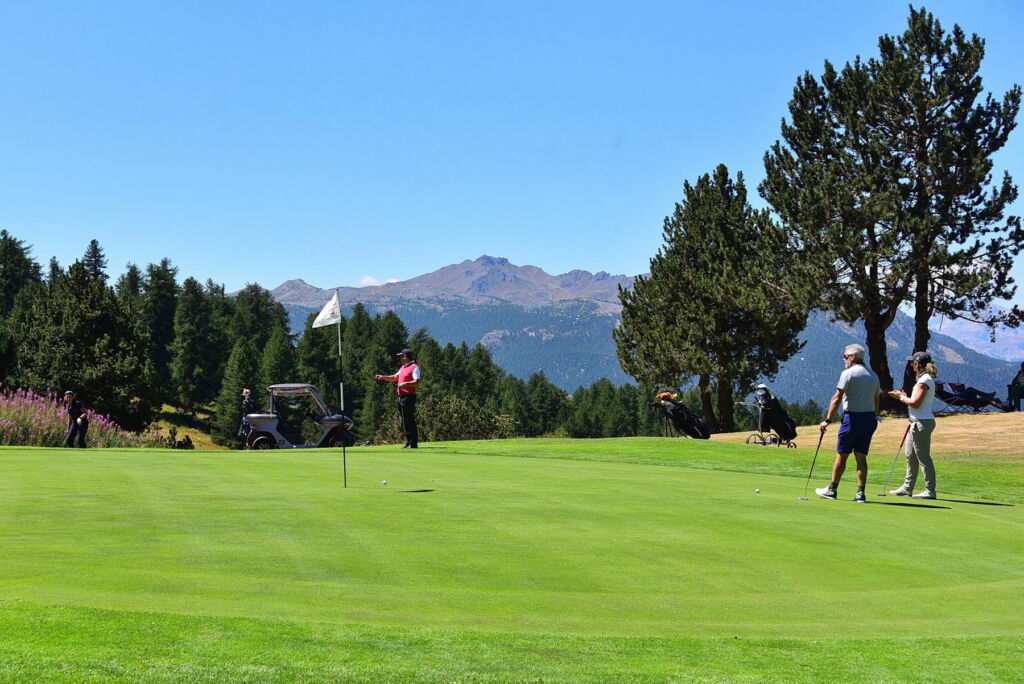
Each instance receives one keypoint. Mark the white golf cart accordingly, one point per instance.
(281, 427)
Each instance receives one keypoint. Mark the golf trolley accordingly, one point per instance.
(281, 426)
(775, 427)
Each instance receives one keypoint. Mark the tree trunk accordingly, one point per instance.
(922, 312)
(726, 421)
(878, 358)
(704, 383)
(878, 353)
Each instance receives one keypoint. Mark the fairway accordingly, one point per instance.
(526, 559)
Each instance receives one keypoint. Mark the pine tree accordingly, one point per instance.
(279, 362)
(884, 178)
(17, 269)
(724, 302)
(256, 316)
(318, 359)
(358, 333)
(547, 401)
(129, 287)
(95, 262)
(242, 372)
(80, 337)
(160, 296)
(389, 337)
(192, 363)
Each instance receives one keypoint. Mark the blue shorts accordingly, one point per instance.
(855, 433)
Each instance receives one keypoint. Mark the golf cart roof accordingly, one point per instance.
(292, 389)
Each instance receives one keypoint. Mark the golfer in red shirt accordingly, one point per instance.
(407, 377)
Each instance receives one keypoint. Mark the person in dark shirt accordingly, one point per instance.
(78, 422)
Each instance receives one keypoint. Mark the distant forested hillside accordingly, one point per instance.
(572, 343)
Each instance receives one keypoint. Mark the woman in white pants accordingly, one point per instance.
(922, 424)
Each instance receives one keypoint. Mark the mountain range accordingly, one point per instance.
(562, 324)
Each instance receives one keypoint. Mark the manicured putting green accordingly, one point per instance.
(462, 547)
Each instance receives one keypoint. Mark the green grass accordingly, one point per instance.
(634, 559)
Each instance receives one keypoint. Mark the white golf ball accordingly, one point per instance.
(757, 491)
(384, 482)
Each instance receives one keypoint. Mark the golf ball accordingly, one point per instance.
(384, 482)
(757, 491)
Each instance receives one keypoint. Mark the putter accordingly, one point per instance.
(813, 461)
(886, 487)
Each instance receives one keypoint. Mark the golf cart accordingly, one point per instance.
(291, 405)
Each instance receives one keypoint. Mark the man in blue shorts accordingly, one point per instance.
(858, 390)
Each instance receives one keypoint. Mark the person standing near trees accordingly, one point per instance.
(1016, 389)
(922, 424)
(858, 390)
(407, 377)
(78, 422)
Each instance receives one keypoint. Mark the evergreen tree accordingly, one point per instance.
(17, 269)
(192, 363)
(723, 302)
(513, 400)
(129, 287)
(318, 360)
(80, 337)
(884, 177)
(355, 341)
(547, 401)
(389, 337)
(160, 296)
(95, 262)
(242, 372)
(279, 363)
(222, 310)
(481, 374)
(256, 316)
(54, 272)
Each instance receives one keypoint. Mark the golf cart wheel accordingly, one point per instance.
(755, 439)
(774, 440)
(791, 445)
(263, 442)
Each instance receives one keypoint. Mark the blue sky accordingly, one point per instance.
(347, 143)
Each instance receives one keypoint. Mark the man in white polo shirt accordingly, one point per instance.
(858, 390)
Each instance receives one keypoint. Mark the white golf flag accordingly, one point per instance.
(330, 314)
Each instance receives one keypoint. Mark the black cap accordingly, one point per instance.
(405, 352)
(922, 358)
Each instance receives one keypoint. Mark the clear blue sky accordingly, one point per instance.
(344, 141)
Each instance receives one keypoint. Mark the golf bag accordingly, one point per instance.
(771, 416)
(682, 418)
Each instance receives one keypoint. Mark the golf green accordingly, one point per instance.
(476, 562)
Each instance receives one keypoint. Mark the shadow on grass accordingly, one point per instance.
(908, 505)
(416, 491)
(976, 503)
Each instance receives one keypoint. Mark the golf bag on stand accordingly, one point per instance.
(772, 417)
(682, 418)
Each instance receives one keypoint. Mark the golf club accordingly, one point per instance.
(813, 461)
(886, 487)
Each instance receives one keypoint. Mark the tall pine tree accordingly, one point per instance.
(884, 178)
(724, 301)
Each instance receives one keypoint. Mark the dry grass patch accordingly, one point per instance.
(989, 433)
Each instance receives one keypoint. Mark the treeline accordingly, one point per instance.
(146, 340)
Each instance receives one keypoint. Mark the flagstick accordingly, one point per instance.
(341, 394)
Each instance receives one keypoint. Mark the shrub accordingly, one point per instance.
(447, 418)
(30, 419)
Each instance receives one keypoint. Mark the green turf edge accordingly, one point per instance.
(65, 643)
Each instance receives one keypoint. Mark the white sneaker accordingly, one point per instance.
(902, 491)
(825, 493)
(926, 494)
